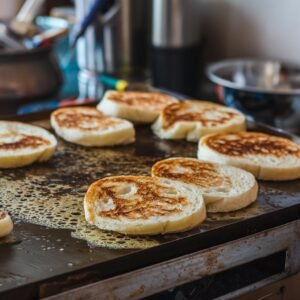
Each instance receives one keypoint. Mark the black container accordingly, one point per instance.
(176, 69)
(176, 48)
(26, 76)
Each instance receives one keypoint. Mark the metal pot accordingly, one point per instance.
(116, 44)
(26, 76)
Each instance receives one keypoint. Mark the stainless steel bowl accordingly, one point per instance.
(267, 90)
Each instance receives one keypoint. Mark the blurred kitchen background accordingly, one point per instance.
(245, 54)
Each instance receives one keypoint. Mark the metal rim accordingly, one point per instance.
(213, 68)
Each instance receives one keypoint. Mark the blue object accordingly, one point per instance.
(35, 107)
(90, 17)
(53, 104)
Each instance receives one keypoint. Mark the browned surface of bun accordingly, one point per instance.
(78, 117)
(151, 101)
(2, 214)
(252, 143)
(148, 198)
(24, 141)
(182, 112)
(188, 170)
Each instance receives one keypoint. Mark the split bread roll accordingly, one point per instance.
(224, 188)
(138, 107)
(6, 224)
(141, 205)
(22, 144)
(267, 157)
(193, 119)
(88, 127)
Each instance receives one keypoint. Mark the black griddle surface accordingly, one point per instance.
(43, 261)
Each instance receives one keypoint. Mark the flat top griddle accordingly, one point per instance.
(40, 261)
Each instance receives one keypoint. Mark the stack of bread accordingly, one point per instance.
(223, 177)
(174, 199)
(180, 190)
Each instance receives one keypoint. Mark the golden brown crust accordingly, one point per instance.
(147, 202)
(197, 111)
(193, 171)
(3, 214)
(143, 100)
(83, 118)
(252, 143)
(22, 141)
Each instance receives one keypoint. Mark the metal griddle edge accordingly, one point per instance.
(124, 261)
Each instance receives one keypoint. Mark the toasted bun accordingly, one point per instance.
(193, 119)
(22, 144)
(267, 157)
(88, 127)
(139, 107)
(6, 224)
(138, 205)
(224, 188)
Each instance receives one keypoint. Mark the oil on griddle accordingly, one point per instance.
(51, 193)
